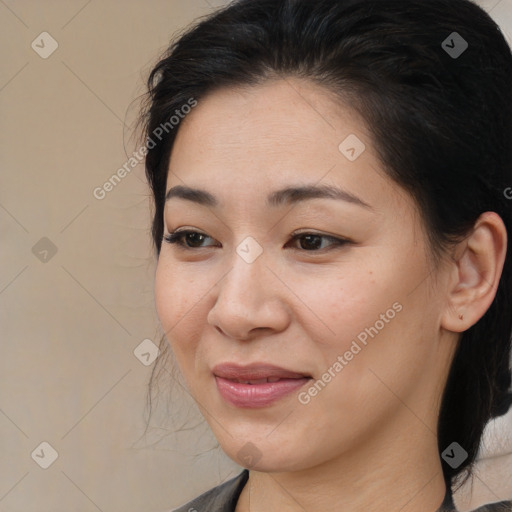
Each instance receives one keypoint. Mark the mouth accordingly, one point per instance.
(256, 381)
(255, 372)
(256, 385)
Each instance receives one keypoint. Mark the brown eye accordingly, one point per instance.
(315, 242)
(193, 239)
(188, 239)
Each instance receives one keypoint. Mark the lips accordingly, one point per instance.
(255, 372)
(256, 385)
(257, 381)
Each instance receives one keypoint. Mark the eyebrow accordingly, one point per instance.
(288, 195)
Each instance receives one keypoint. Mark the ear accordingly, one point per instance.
(475, 273)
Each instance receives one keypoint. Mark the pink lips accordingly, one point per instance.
(256, 385)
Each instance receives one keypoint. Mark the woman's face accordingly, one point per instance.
(335, 290)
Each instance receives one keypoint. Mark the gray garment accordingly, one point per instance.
(224, 498)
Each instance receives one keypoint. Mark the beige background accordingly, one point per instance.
(70, 321)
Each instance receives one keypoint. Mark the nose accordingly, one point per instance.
(250, 302)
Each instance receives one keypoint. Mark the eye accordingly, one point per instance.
(309, 242)
(315, 241)
(188, 239)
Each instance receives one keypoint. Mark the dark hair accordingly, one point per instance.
(440, 122)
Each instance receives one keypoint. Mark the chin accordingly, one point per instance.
(266, 457)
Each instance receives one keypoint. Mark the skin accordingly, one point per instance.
(367, 441)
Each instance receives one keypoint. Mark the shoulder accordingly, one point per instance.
(502, 506)
(222, 498)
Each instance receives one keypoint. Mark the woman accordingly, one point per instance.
(331, 222)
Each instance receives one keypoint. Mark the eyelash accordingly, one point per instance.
(176, 237)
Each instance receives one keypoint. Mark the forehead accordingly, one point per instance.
(268, 119)
(238, 141)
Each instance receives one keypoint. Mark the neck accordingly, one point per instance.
(403, 473)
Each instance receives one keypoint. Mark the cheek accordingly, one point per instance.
(178, 292)
(180, 308)
(335, 308)
(166, 287)
(368, 317)
(381, 345)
